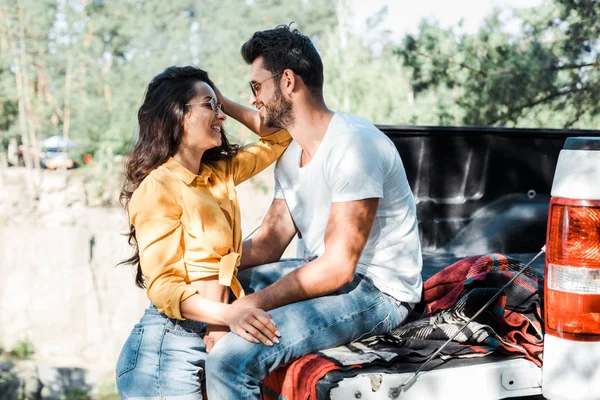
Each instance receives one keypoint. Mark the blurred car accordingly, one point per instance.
(54, 159)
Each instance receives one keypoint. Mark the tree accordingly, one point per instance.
(25, 42)
(546, 75)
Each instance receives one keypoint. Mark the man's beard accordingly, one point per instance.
(279, 113)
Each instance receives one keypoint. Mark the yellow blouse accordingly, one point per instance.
(188, 226)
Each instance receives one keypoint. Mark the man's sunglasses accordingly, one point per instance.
(255, 86)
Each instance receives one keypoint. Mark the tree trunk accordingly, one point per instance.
(21, 101)
(33, 143)
(67, 106)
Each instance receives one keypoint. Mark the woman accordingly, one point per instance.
(185, 226)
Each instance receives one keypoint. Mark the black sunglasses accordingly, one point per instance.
(255, 86)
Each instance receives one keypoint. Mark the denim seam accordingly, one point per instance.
(160, 355)
(367, 334)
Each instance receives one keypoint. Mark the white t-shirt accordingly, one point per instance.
(356, 161)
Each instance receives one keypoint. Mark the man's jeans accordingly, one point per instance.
(235, 367)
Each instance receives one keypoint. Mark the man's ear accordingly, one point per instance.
(289, 81)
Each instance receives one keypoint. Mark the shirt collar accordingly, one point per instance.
(185, 174)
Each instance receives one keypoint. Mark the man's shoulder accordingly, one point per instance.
(353, 128)
(290, 157)
(357, 135)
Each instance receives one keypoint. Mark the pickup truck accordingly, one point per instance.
(478, 190)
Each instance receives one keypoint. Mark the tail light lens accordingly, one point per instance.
(572, 273)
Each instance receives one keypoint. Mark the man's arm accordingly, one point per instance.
(275, 234)
(346, 235)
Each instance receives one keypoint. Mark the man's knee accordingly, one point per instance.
(232, 354)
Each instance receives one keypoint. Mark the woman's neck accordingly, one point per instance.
(190, 159)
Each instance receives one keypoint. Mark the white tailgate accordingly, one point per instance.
(489, 381)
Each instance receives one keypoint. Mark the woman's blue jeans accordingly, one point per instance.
(166, 359)
(162, 359)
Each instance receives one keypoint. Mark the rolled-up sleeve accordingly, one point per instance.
(254, 158)
(159, 234)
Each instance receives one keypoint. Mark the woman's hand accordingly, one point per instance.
(214, 333)
(220, 98)
(250, 117)
(252, 324)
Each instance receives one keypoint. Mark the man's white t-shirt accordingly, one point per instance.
(356, 161)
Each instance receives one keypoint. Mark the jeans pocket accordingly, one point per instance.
(129, 353)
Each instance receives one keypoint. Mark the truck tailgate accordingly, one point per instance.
(487, 378)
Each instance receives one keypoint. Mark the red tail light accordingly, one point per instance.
(572, 300)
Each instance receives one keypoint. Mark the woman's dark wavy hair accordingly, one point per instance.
(160, 119)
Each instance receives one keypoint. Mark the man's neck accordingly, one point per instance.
(309, 128)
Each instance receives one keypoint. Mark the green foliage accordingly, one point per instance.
(116, 47)
(23, 349)
(77, 394)
(107, 390)
(87, 64)
(114, 396)
(546, 75)
(9, 384)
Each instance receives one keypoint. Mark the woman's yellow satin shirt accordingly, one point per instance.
(188, 226)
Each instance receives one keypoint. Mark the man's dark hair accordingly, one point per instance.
(283, 48)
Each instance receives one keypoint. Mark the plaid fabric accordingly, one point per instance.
(298, 381)
(443, 289)
(511, 325)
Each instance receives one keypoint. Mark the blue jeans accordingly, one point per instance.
(162, 359)
(235, 367)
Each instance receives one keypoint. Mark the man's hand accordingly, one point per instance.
(214, 333)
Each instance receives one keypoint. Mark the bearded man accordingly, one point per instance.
(342, 187)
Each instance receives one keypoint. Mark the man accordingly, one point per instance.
(342, 186)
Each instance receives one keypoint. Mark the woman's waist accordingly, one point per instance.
(211, 289)
(220, 272)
